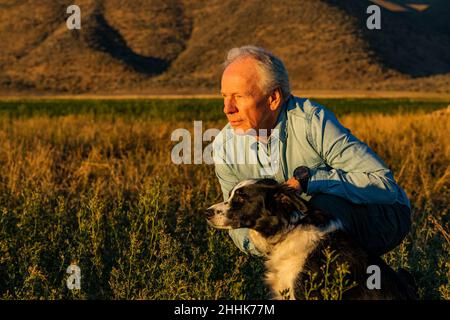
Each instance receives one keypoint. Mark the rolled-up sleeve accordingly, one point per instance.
(352, 170)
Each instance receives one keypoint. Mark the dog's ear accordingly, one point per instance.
(289, 199)
(268, 182)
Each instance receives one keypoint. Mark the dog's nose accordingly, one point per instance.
(209, 213)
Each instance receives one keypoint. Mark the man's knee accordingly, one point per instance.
(400, 219)
(377, 228)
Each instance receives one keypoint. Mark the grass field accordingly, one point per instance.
(91, 182)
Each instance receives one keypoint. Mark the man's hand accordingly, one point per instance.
(293, 183)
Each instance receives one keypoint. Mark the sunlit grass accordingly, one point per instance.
(99, 189)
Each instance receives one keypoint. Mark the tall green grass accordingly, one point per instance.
(185, 109)
(92, 183)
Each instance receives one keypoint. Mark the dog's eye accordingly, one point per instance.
(237, 199)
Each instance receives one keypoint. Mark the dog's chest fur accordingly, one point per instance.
(286, 257)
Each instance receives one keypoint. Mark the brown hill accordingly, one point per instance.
(177, 46)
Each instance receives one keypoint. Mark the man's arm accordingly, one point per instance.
(353, 170)
(227, 179)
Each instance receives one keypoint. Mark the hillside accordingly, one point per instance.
(177, 46)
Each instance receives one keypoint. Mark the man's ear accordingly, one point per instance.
(275, 99)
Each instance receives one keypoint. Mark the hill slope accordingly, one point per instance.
(171, 46)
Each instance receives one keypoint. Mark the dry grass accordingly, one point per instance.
(103, 193)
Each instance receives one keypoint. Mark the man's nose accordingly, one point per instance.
(209, 213)
(229, 106)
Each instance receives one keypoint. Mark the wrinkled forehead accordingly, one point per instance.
(239, 77)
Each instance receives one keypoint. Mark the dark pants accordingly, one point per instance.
(378, 228)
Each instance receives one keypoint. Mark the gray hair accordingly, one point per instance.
(271, 69)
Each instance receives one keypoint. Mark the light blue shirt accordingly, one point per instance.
(309, 135)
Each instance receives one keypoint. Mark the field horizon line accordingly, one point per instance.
(312, 94)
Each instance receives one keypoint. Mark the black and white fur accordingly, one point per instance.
(293, 237)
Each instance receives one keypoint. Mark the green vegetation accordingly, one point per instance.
(185, 109)
(92, 182)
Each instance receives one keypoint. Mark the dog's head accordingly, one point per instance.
(263, 205)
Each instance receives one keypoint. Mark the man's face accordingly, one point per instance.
(245, 104)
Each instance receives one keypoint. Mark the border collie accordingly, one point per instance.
(293, 236)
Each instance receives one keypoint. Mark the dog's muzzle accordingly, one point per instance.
(217, 218)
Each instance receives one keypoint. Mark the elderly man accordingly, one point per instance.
(316, 155)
